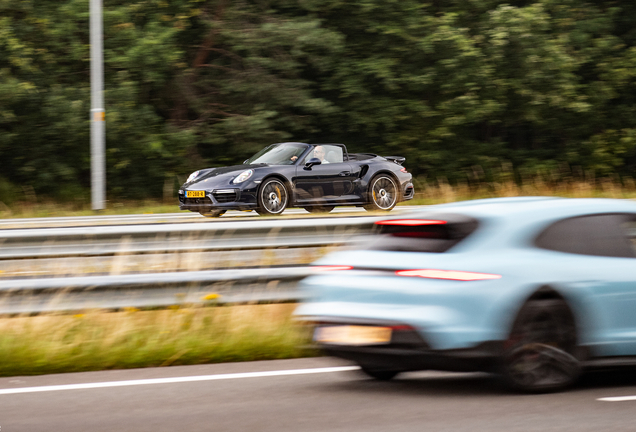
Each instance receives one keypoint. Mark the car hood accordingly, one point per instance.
(223, 171)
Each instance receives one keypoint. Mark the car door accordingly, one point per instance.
(604, 263)
(326, 182)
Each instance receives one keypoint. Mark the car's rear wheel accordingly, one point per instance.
(379, 374)
(272, 197)
(541, 352)
(213, 213)
(319, 209)
(382, 193)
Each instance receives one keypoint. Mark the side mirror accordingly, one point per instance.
(311, 162)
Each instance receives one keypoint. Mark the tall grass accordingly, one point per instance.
(101, 340)
(48, 208)
(440, 191)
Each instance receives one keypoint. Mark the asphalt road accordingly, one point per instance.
(236, 397)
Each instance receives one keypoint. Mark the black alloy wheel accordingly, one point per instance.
(272, 197)
(382, 194)
(213, 213)
(319, 209)
(540, 354)
(379, 374)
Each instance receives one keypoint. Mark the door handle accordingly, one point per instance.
(344, 173)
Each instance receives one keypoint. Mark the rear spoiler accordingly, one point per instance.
(397, 159)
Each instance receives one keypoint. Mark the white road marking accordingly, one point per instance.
(175, 380)
(617, 399)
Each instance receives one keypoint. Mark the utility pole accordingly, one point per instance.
(98, 124)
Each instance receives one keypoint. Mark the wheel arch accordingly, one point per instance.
(280, 177)
(380, 172)
(551, 292)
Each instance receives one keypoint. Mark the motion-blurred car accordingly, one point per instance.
(536, 289)
(316, 177)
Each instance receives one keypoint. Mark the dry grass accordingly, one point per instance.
(45, 208)
(100, 340)
(441, 192)
(427, 192)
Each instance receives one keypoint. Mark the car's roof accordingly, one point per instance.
(517, 220)
(535, 208)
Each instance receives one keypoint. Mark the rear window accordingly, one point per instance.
(435, 234)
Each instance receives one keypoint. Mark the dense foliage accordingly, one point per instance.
(461, 88)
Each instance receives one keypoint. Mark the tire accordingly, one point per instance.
(213, 213)
(540, 354)
(319, 209)
(382, 194)
(272, 198)
(379, 374)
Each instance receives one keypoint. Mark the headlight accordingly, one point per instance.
(192, 176)
(243, 176)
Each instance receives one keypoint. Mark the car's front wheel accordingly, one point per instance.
(541, 352)
(213, 213)
(382, 193)
(272, 197)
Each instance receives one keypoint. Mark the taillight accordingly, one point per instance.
(401, 327)
(410, 222)
(404, 170)
(326, 268)
(447, 275)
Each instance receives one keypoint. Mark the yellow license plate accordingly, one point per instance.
(195, 194)
(353, 335)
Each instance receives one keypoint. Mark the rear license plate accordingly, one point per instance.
(353, 335)
(195, 194)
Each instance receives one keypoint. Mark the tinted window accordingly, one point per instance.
(422, 238)
(600, 235)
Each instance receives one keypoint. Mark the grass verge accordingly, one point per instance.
(133, 339)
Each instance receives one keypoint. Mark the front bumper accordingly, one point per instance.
(220, 199)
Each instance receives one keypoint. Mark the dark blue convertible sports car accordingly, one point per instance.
(316, 177)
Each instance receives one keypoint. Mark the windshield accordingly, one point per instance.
(278, 154)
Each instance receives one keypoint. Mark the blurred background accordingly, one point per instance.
(471, 92)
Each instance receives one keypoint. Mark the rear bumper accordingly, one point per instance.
(481, 358)
(409, 350)
(408, 191)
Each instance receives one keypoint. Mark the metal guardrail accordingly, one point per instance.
(31, 295)
(150, 290)
(162, 238)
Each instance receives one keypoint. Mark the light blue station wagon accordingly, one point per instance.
(537, 289)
